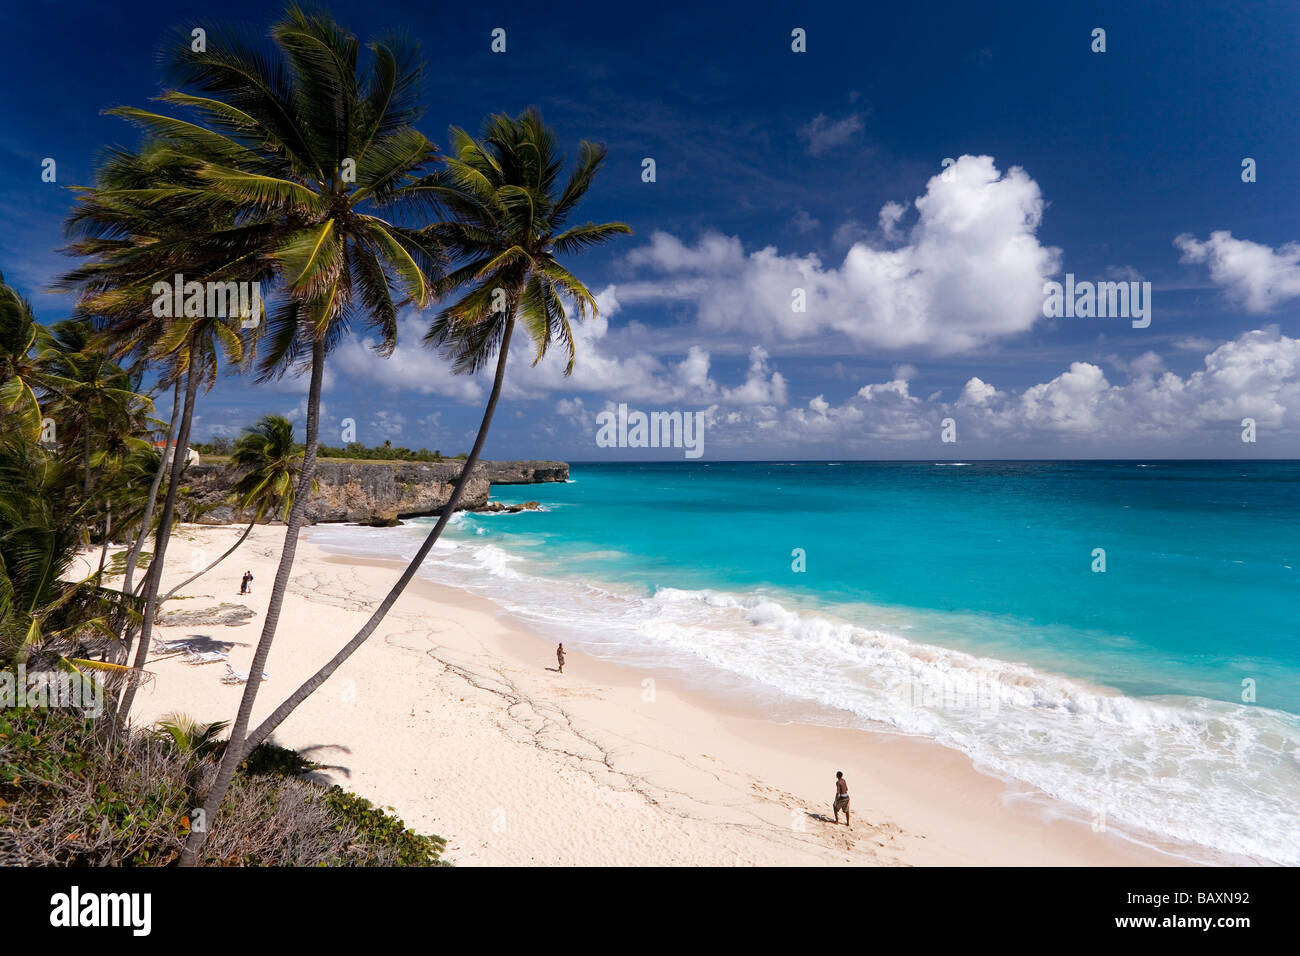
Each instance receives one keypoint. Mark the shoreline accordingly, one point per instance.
(531, 767)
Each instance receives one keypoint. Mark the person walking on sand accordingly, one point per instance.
(841, 797)
(248, 583)
(243, 583)
(559, 656)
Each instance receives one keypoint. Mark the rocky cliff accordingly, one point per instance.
(375, 492)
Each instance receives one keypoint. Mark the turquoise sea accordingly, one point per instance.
(960, 601)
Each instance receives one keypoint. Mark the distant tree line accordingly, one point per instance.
(222, 447)
(386, 451)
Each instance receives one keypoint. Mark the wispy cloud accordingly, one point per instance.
(824, 134)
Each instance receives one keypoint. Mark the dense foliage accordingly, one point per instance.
(71, 796)
(354, 451)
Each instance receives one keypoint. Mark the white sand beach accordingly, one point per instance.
(457, 720)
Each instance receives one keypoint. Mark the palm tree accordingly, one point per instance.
(507, 230)
(271, 465)
(131, 240)
(127, 485)
(281, 186)
(128, 241)
(64, 374)
(294, 154)
(102, 411)
(188, 736)
(45, 619)
(22, 343)
(36, 363)
(196, 352)
(88, 393)
(161, 466)
(124, 467)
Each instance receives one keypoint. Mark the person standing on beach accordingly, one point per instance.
(243, 584)
(248, 583)
(559, 656)
(841, 797)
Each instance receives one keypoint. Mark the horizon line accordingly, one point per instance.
(763, 461)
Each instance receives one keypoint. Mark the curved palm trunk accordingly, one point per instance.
(232, 757)
(154, 577)
(302, 693)
(195, 577)
(146, 520)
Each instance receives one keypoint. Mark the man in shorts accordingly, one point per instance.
(841, 797)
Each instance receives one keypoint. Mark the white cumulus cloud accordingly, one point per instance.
(970, 270)
(1256, 375)
(1254, 276)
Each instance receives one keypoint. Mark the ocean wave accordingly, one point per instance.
(1205, 772)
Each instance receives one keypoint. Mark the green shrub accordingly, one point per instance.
(386, 836)
(74, 793)
(269, 760)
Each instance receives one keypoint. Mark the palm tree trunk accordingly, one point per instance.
(154, 577)
(232, 757)
(302, 693)
(103, 548)
(195, 577)
(146, 520)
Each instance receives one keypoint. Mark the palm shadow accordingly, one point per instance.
(203, 642)
(317, 773)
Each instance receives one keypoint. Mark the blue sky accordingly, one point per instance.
(819, 171)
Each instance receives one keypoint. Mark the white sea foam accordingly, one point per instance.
(1205, 772)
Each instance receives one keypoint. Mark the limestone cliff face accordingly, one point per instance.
(371, 491)
(523, 472)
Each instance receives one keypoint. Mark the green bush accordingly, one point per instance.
(385, 834)
(268, 760)
(74, 793)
